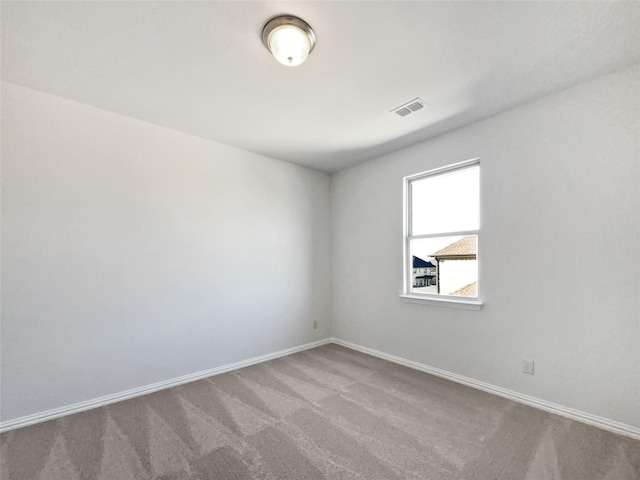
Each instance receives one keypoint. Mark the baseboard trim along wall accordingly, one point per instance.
(596, 421)
(137, 392)
(600, 422)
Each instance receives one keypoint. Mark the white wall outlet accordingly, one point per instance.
(315, 324)
(527, 366)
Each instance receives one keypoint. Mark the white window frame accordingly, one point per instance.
(469, 303)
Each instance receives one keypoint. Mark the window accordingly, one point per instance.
(442, 226)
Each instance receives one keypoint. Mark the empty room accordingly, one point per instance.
(364, 240)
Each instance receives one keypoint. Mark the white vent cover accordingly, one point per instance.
(409, 107)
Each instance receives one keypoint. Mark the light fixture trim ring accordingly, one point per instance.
(283, 20)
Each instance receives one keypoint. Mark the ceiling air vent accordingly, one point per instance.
(409, 107)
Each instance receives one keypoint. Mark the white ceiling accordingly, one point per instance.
(200, 67)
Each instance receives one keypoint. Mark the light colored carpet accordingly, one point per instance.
(327, 413)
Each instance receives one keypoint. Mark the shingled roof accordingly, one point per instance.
(470, 290)
(420, 263)
(465, 247)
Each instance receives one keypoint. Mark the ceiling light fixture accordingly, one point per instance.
(290, 39)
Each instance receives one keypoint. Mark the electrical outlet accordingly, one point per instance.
(527, 366)
(315, 324)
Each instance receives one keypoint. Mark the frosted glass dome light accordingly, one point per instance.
(289, 39)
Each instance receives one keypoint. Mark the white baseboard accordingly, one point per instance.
(600, 422)
(136, 392)
(596, 421)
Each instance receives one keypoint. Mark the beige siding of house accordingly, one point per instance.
(455, 274)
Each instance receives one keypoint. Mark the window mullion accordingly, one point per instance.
(462, 233)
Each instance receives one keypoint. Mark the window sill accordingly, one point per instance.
(443, 302)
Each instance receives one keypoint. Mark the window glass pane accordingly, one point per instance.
(448, 202)
(444, 265)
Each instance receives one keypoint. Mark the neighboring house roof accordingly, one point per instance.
(420, 263)
(465, 247)
(470, 290)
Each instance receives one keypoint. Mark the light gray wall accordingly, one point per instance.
(133, 254)
(560, 252)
